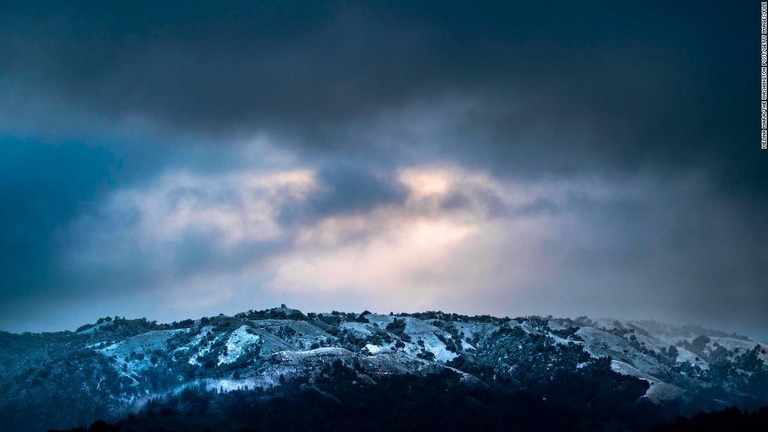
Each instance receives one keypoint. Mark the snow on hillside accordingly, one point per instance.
(381, 321)
(360, 328)
(266, 348)
(95, 328)
(238, 341)
(424, 338)
(123, 364)
(140, 344)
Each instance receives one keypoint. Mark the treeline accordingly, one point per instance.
(731, 419)
(728, 420)
(439, 401)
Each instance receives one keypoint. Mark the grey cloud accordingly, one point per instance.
(676, 254)
(42, 188)
(572, 89)
(617, 90)
(345, 189)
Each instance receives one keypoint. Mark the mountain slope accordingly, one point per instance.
(117, 366)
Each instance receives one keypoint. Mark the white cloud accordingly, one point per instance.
(460, 241)
(235, 207)
(425, 253)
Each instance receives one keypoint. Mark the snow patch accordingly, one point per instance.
(356, 327)
(373, 349)
(237, 343)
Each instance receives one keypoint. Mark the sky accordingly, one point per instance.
(176, 160)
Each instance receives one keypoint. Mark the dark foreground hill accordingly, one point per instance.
(281, 369)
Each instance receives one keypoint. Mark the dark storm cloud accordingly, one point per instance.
(619, 86)
(209, 67)
(42, 187)
(681, 252)
(346, 189)
(553, 91)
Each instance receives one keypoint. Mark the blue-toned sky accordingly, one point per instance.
(174, 160)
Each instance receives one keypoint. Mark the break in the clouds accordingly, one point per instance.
(509, 158)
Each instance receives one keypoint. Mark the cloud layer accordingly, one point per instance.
(486, 158)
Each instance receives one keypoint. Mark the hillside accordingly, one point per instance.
(588, 367)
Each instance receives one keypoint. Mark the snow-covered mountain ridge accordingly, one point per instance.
(115, 365)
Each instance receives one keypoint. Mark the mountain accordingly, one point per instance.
(601, 374)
